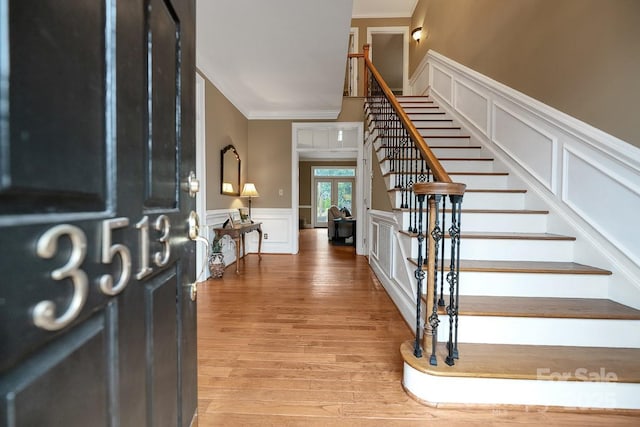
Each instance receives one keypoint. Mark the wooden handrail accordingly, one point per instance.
(436, 168)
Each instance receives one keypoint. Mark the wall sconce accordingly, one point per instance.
(227, 187)
(249, 190)
(416, 34)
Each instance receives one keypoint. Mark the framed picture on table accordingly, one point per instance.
(244, 215)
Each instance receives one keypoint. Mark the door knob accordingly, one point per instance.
(191, 185)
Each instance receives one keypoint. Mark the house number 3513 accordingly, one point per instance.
(44, 312)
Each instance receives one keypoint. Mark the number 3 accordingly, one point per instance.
(47, 246)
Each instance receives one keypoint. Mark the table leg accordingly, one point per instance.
(237, 239)
(259, 242)
(244, 247)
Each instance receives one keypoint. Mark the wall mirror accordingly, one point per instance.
(229, 171)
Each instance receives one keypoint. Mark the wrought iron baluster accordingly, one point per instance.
(441, 295)
(432, 258)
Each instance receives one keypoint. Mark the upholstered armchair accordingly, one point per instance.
(344, 230)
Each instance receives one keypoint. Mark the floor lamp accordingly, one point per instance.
(249, 190)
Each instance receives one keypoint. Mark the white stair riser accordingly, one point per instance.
(493, 200)
(472, 181)
(428, 115)
(539, 395)
(490, 222)
(510, 201)
(544, 331)
(457, 152)
(479, 182)
(436, 141)
(458, 141)
(426, 108)
(441, 129)
(508, 250)
(534, 284)
(467, 165)
(514, 223)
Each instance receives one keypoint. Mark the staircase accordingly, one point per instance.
(535, 328)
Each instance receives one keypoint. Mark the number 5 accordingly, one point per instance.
(109, 251)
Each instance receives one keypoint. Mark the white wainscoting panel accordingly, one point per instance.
(419, 82)
(277, 225)
(597, 194)
(588, 179)
(473, 106)
(526, 143)
(442, 83)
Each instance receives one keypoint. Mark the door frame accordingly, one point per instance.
(333, 179)
(404, 31)
(201, 173)
(327, 154)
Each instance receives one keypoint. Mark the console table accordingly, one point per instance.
(237, 233)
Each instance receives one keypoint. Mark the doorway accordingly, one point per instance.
(390, 54)
(332, 186)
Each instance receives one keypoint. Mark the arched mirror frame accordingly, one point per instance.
(228, 159)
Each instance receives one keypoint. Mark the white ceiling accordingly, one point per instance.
(383, 8)
(282, 59)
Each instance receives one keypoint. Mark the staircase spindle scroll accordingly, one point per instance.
(421, 180)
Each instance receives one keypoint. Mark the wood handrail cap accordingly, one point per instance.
(442, 188)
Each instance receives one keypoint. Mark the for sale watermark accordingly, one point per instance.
(579, 374)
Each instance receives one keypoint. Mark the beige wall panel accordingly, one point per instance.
(270, 162)
(581, 57)
(224, 125)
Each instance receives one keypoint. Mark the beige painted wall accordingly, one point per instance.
(270, 155)
(264, 147)
(581, 57)
(224, 125)
(304, 193)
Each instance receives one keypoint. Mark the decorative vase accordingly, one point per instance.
(216, 265)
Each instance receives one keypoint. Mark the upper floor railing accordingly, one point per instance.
(417, 174)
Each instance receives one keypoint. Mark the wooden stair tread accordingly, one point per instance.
(532, 362)
(535, 267)
(456, 173)
(486, 211)
(480, 173)
(484, 190)
(504, 236)
(543, 307)
(494, 190)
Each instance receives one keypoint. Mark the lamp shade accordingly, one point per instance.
(249, 190)
(227, 187)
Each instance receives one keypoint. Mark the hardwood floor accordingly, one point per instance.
(313, 340)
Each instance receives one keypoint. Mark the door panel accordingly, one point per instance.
(162, 62)
(70, 178)
(96, 138)
(324, 191)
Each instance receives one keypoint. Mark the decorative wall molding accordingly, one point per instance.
(387, 259)
(589, 179)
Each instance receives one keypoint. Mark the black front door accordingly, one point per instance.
(97, 323)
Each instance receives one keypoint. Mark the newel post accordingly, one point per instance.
(365, 51)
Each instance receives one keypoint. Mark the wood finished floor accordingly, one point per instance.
(313, 340)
